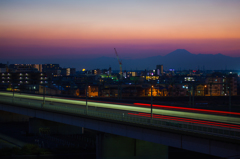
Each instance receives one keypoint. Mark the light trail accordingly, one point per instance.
(225, 125)
(190, 109)
(131, 108)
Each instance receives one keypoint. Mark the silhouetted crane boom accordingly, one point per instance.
(120, 64)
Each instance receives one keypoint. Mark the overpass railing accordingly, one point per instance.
(229, 132)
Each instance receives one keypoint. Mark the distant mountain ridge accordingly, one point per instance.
(178, 59)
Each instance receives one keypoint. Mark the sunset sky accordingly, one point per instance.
(137, 28)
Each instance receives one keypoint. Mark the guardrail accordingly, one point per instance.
(117, 116)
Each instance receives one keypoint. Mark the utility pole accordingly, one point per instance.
(193, 86)
(118, 90)
(99, 84)
(189, 88)
(229, 90)
(44, 91)
(211, 87)
(86, 95)
(151, 102)
(13, 93)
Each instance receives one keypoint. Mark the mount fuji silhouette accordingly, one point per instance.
(178, 59)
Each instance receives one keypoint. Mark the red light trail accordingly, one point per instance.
(234, 126)
(189, 109)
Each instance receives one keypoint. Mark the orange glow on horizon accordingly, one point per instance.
(119, 33)
(229, 47)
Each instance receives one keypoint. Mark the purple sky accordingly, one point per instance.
(80, 29)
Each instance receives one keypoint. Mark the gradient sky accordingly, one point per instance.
(137, 28)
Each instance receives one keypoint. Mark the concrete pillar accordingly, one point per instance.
(118, 147)
(12, 117)
(41, 126)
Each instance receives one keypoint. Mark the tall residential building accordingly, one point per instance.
(221, 86)
(23, 68)
(159, 69)
(46, 67)
(23, 78)
(3, 67)
(38, 67)
(97, 72)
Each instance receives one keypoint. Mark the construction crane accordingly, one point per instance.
(120, 64)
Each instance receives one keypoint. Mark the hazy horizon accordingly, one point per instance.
(177, 59)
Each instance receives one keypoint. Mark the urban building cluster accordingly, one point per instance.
(54, 80)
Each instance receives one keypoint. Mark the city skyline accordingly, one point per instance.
(138, 29)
